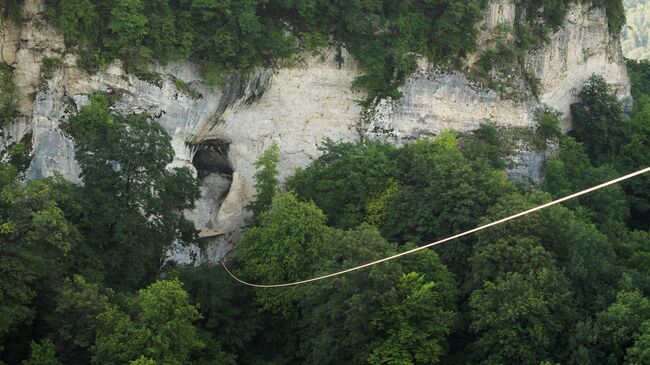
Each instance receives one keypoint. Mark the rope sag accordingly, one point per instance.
(462, 234)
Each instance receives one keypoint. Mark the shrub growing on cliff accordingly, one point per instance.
(79, 21)
(598, 120)
(615, 14)
(128, 27)
(224, 37)
(8, 96)
(266, 180)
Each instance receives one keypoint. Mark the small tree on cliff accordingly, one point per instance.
(598, 120)
(266, 181)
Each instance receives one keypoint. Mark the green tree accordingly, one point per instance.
(286, 244)
(157, 325)
(598, 120)
(441, 192)
(516, 316)
(42, 354)
(554, 11)
(571, 171)
(581, 344)
(484, 144)
(621, 324)
(451, 192)
(585, 255)
(18, 153)
(161, 37)
(35, 238)
(415, 330)
(128, 27)
(232, 36)
(636, 155)
(495, 257)
(344, 180)
(397, 311)
(131, 201)
(142, 361)
(78, 304)
(8, 96)
(266, 180)
(231, 319)
(639, 353)
(634, 250)
(79, 21)
(376, 207)
(520, 301)
(548, 125)
(639, 73)
(615, 14)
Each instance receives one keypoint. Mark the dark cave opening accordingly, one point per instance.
(212, 157)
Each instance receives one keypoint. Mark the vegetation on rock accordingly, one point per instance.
(385, 37)
(636, 33)
(8, 96)
(83, 270)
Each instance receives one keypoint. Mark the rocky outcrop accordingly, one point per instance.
(433, 100)
(220, 132)
(581, 48)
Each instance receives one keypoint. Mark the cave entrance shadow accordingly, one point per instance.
(212, 157)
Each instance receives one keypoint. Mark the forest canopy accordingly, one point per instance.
(386, 37)
(85, 277)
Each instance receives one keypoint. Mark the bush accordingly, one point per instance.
(598, 120)
(8, 95)
(548, 126)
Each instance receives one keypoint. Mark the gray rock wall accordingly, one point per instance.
(296, 107)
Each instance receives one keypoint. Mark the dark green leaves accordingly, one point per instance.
(598, 120)
(157, 326)
(130, 198)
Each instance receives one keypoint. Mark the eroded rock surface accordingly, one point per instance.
(581, 48)
(297, 107)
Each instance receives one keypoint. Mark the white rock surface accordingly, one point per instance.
(296, 107)
(581, 48)
(432, 102)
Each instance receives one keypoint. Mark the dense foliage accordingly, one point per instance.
(115, 230)
(636, 153)
(84, 276)
(130, 200)
(599, 121)
(386, 37)
(8, 95)
(227, 36)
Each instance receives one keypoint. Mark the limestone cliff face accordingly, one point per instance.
(220, 132)
(582, 47)
(433, 101)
